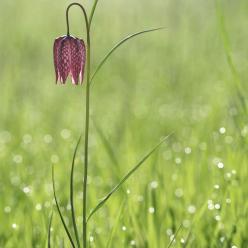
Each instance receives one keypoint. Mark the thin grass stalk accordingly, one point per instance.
(92, 12)
(72, 194)
(49, 231)
(59, 211)
(174, 238)
(86, 139)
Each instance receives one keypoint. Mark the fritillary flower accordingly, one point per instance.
(69, 59)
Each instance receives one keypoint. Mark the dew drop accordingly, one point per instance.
(154, 184)
(124, 228)
(65, 134)
(48, 138)
(222, 130)
(38, 207)
(54, 158)
(132, 242)
(151, 210)
(7, 209)
(187, 150)
(191, 209)
(220, 165)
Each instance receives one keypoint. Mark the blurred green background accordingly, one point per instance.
(190, 79)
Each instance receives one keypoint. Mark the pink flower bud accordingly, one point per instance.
(69, 59)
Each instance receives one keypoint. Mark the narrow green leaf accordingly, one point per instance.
(118, 216)
(72, 193)
(237, 84)
(60, 214)
(118, 45)
(136, 167)
(92, 12)
(177, 231)
(49, 231)
(187, 239)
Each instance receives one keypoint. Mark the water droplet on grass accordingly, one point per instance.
(7, 209)
(38, 207)
(210, 205)
(222, 130)
(17, 158)
(220, 165)
(216, 186)
(132, 242)
(5, 137)
(169, 232)
(48, 138)
(140, 198)
(222, 239)
(217, 218)
(26, 190)
(179, 192)
(14, 226)
(187, 150)
(123, 228)
(186, 223)
(65, 133)
(151, 210)
(154, 184)
(217, 206)
(54, 159)
(178, 160)
(191, 209)
(27, 139)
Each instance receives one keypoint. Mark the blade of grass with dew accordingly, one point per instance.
(136, 167)
(72, 193)
(60, 214)
(177, 231)
(118, 216)
(92, 12)
(49, 231)
(129, 37)
(187, 240)
(227, 49)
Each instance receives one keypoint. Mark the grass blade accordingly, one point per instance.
(49, 231)
(118, 216)
(118, 45)
(227, 48)
(60, 214)
(72, 193)
(92, 12)
(136, 167)
(172, 240)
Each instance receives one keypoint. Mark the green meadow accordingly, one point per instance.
(189, 79)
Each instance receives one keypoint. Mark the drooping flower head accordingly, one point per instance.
(69, 59)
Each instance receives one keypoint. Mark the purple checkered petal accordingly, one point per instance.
(69, 59)
(77, 60)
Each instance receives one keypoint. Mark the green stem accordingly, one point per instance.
(92, 12)
(86, 145)
(87, 119)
